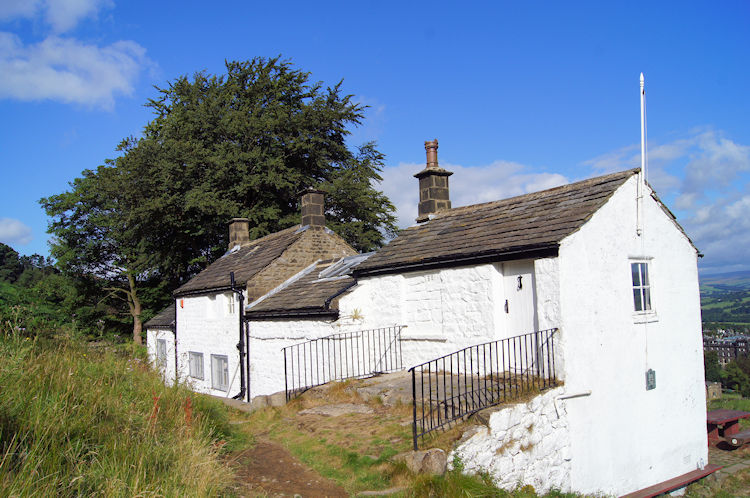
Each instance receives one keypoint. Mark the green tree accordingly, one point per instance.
(10, 264)
(239, 144)
(101, 230)
(734, 378)
(711, 366)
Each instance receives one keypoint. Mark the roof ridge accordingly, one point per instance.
(522, 197)
(273, 235)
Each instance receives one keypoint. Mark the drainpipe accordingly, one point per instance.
(339, 292)
(241, 344)
(247, 352)
(174, 331)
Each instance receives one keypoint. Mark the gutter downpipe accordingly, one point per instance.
(338, 293)
(241, 344)
(174, 331)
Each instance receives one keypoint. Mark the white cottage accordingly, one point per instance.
(603, 261)
(206, 322)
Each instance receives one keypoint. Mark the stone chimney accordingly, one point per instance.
(239, 232)
(313, 208)
(433, 185)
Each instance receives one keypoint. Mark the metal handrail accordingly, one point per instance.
(341, 356)
(458, 384)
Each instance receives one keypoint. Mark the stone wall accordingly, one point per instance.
(626, 437)
(209, 325)
(523, 444)
(267, 338)
(315, 244)
(152, 335)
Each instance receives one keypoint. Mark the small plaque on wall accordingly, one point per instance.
(650, 379)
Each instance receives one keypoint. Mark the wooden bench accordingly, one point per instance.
(723, 425)
(738, 439)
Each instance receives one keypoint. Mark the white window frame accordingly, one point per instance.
(642, 289)
(220, 380)
(231, 306)
(195, 365)
(161, 353)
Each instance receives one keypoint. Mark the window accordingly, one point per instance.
(230, 303)
(219, 372)
(161, 352)
(196, 365)
(641, 287)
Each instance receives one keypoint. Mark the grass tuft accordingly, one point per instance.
(76, 420)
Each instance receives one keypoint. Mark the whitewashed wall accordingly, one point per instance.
(444, 310)
(205, 325)
(167, 369)
(623, 437)
(524, 444)
(267, 338)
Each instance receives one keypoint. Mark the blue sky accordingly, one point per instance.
(521, 96)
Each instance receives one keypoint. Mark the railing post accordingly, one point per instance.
(286, 382)
(414, 408)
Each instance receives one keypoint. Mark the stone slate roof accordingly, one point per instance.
(513, 228)
(245, 262)
(164, 319)
(311, 292)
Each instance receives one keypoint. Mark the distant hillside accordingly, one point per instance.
(725, 298)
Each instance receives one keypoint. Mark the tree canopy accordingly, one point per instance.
(240, 144)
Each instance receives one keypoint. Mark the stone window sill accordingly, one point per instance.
(645, 317)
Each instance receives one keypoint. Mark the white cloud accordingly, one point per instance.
(468, 185)
(14, 232)
(705, 178)
(60, 15)
(68, 70)
(14, 9)
(64, 15)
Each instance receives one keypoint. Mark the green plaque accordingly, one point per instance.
(650, 379)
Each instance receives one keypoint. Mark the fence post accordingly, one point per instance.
(286, 382)
(414, 408)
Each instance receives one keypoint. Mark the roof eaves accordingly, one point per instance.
(533, 251)
(313, 312)
(201, 292)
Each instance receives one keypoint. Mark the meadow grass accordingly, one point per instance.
(79, 421)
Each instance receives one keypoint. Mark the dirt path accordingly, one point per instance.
(269, 469)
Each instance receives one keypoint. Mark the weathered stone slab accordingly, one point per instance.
(337, 410)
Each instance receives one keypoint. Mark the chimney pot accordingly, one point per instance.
(433, 185)
(431, 147)
(239, 232)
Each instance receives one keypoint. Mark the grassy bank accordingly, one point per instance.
(75, 420)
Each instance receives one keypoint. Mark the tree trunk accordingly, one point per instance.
(135, 310)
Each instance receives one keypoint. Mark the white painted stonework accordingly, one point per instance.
(267, 338)
(166, 368)
(525, 444)
(443, 310)
(622, 437)
(208, 324)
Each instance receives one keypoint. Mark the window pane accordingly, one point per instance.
(647, 298)
(196, 365)
(637, 299)
(644, 269)
(219, 372)
(161, 350)
(636, 274)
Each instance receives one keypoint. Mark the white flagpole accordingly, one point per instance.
(642, 176)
